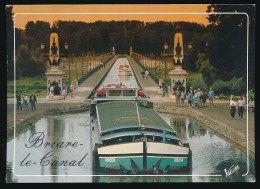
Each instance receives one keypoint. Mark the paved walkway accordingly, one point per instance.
(86, 87)
(148, 85)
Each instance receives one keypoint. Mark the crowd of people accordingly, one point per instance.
(63, 91)
(162, 89)
(196, 98)
(239, 105)
(22, 102)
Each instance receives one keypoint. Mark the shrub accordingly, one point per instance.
(251, 93)
(27, 64)
(235, 86)
(220, 87)
(198, 83)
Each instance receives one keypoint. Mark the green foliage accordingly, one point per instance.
(28, 62)
(218, 50)
(220, 87)
(251, 93)
(228, 50)
(192, 76)
(203, 66)
(235, 86)
(197, 83)
(27, 85)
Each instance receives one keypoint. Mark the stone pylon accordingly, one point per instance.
(55, 74)
(178, 75)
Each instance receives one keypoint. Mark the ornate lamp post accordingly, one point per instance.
(165, 48)
(42, 46)
(54, 75)
(189, 51)
(131, 50)
(66, 47)
(190, 47)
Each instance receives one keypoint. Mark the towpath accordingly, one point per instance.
(217, 118)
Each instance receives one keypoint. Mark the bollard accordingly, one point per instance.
(164, 136)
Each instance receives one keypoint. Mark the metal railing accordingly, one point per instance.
(78, 69)
(158, 67)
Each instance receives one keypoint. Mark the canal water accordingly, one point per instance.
(58, 149)
(113, 78)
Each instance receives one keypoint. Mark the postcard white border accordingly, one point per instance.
(237, 13)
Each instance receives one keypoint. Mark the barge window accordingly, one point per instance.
(128, 92)
(114, 92)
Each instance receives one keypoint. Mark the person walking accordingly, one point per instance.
(196, 100)
(193, 97)
(190, 99)
(211, 97)
(71, 90)
(163, 88)
(203, 98)
(200, 94)
(146, 74)
(142, 74)
(232, 107)
(183, 97)
(241, 107)
(25, 102)
(177, 96)
(19, 101)
(33, 99)
(159, 90)
(191, 91)
(51, 93)
(63, 90)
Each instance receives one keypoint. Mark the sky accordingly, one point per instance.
(108, 12)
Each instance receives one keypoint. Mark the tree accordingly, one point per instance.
(229, 47)
(206, 69)
(29, 63)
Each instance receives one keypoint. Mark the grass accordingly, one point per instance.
(37, 84)
(27, 85)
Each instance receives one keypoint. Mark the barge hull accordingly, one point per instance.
(123, 156)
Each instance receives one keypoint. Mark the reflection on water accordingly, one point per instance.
(211, 154)
(113, 78)
(73, 128)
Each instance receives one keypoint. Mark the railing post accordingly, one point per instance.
(155, 67)
(69, 71)
(76, 69)
(87, 66)
(81, 67)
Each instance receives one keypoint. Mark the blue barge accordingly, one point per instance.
(132, 138)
